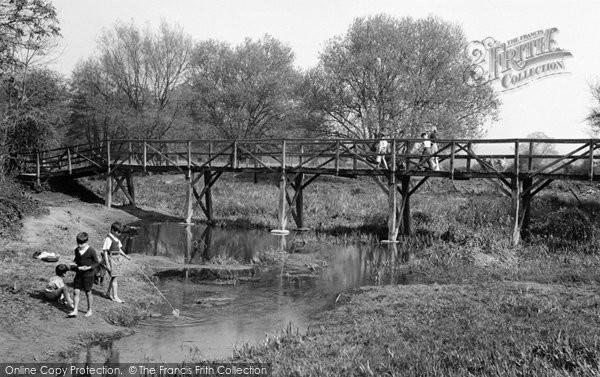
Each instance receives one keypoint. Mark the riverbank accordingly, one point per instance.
(37, 330)
(476, 305)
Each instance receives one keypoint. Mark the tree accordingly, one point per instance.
(28, 94)
(132, 89)
(398, 77)
(244, 92)
(24, 25)
(593, 118)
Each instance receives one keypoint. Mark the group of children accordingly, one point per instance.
(426, 148)
(86, 265)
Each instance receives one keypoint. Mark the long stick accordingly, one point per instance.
(175, 311)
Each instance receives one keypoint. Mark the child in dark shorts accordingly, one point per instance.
(86, 260)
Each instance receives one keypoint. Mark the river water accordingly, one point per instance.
(216, 316)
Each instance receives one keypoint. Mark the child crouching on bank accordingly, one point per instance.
(56, 288)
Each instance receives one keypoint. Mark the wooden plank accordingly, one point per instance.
(486, 166)
(283, 159)
(392, 208)
(541, 187)
(380, 184)
(282, 202)
(469, 151)
(568, 155)
(167, 159)
(38, 169)
(145, 155)
(299, 201)
(70, 162)
(591, 161)
(337, 157)
(209, 181)
(452, 152)
(310, 180)
(414, 189)
(321, 153)
(372, 166)
(406, 206)
(255, 158)
(189, 197)
(515, 224)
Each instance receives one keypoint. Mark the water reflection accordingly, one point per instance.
(215, 317)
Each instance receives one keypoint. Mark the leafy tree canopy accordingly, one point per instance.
(399, 77)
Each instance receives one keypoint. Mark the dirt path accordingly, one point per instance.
(36, 330)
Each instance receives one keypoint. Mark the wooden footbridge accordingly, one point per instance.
(516, 171)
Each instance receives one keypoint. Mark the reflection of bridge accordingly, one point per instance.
(518, 174)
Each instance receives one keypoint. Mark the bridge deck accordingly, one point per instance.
(517, 171)
(458, 159)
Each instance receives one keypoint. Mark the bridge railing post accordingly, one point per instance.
(469, 156)
(38, 169)
(530, 158)
(69, 161)
(337, 157)
(591, 159)
(516, 161)
(108, 193)
(283, 145)
(145, 152)
(452, 153)
(189, 155)
(130, 151)
(234, 155)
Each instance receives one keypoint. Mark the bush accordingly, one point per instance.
(15, 203)
(565, 228)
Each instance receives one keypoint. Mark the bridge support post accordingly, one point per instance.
(204, 198)
(515, 211)
(405, 209)
(282, 210)
(526, 204)
(392, 210)
(299, 201)
(208, 195)
(109, 191)
(130, 188)
(189, 197)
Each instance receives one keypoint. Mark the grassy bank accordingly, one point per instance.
(476, 305)
(487, 329)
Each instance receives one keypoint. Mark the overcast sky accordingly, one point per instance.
(555, 105)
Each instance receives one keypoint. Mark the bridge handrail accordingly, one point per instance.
(159, 152)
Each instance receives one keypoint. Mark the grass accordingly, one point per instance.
(488, 329)
(476, 305)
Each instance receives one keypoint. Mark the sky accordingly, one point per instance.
(555, 105)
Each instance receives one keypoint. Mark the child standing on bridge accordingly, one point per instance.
(112, 251)
(382, 150)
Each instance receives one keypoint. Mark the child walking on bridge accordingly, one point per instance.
(112, 251)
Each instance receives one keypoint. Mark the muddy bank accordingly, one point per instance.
(36, 330)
